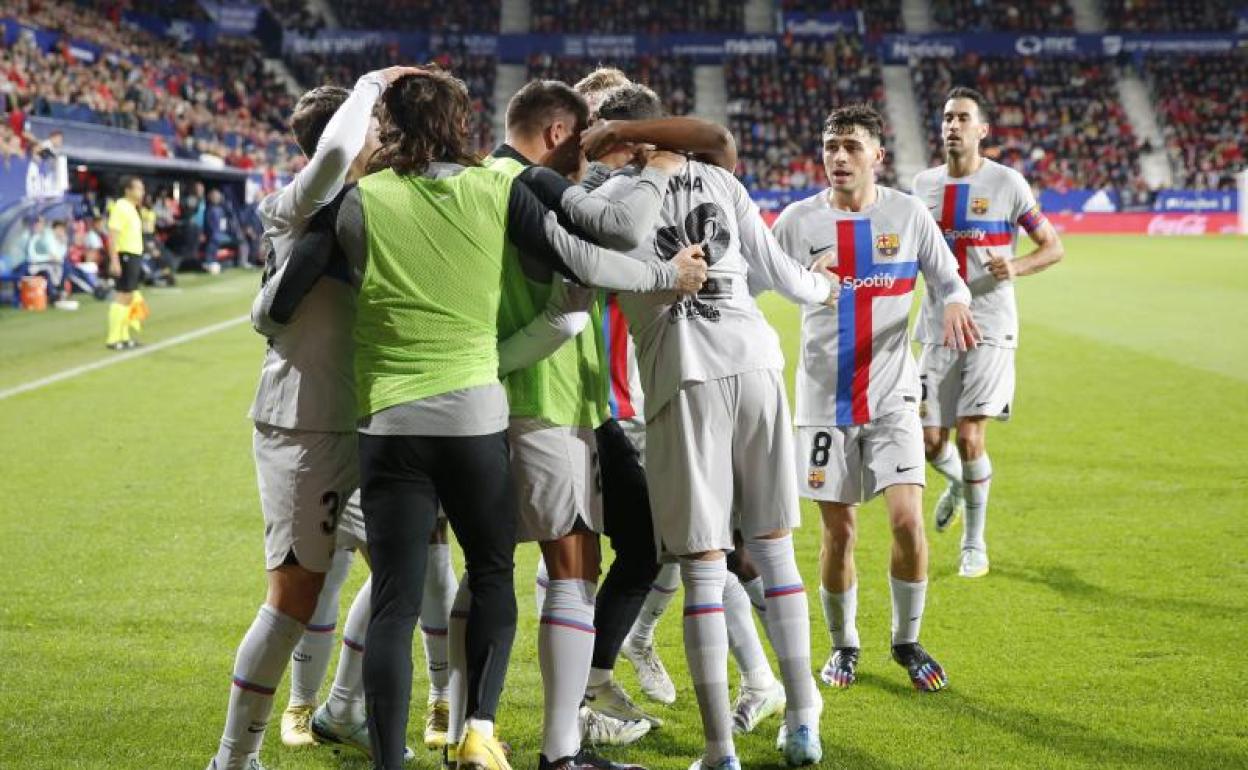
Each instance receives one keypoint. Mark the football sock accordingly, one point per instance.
(435, 614)
(841, 612)
(977, 474)
(484, 727)
(258, 668)
(118, 323)
(756, 591)
(743, 639)
(346, 696)
(457, 662)
(949, 464)
(788, 625)
(539, 585)
(706, 651)
(599, 676)
(565, 644)
(310, 660)
(661, 593)
(908, 600)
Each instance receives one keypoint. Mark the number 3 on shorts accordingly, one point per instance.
(819, 449)
(333, 504)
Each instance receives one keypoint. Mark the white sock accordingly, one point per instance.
(435, 615)
(457, 660)
(949, 464)
(743, 639)
(346, 696)
(756, 591)
(908, 600)
(841, 612)
(706, 651)
(661, 592)
(483, 726)
(977, 474)
(565, 645)
(788, 625)
(540, 583)
(599, 676)
(310, 660)
(258, 668)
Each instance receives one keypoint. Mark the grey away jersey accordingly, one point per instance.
(719, 332)
(855, 362)
(979, 216)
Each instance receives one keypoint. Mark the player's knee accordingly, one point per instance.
(907, 525)
(294, 591)
(971, 439)
(839, 535)
(933, 446)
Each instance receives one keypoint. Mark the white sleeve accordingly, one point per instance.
(320, 181)
(775, 268)
(940, 268)
(619, 216)
(566, 314)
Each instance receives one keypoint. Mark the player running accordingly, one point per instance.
(979, 204)
(304, 441)
(718, 449)
(858, 431)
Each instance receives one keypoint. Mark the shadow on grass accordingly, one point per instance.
(1067, 582)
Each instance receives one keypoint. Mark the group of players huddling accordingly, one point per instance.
(465, 340)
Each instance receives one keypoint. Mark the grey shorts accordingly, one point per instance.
(852, 464)
(976, 383)
(719, 457)
(305, 480)
(556, 475)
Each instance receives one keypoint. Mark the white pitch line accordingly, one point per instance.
(120, 358)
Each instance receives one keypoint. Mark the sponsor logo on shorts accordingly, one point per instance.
(906, 469)
(888, 244)
(979, 205)
(816, 478)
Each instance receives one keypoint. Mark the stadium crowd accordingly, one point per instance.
(402, 15)
(670, 76)
(637, 16)
(1203, 104)
(880, 17)
(1169, 16)
(983, 16)
(776, 106)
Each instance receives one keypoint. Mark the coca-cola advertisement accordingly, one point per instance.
(1147, 223)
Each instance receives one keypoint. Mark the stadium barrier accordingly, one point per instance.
(1147, 223)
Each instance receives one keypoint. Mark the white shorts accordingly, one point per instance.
(305, 480)
(351, 534)
(854, 463)
(556, 475)
(719, 457)
(977, 383)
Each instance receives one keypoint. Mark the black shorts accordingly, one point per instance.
(131, 269)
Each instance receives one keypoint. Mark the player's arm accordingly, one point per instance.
(708, 142)
(770, 264)
(566, 314)
(940, 271)
(114, 243)
(283, 287)
(535, 230)
(1027, 215)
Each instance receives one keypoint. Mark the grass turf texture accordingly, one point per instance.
(1108, 634)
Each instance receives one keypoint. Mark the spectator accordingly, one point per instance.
(46, 256)
(219, 227)
(1169, 16)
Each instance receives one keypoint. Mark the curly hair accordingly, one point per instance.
(426, 119)
(842, 120)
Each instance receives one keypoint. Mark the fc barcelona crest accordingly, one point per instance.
(979, 206)
(816, 478)
(888, 244)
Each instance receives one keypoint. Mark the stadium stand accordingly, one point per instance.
(1058, 121)
(1170, 16)
(881, 17)
(670, 76)
(1203, 103)
(777, 104)
(403, 15)
(296, 16)
(637, 16)
(982, 16)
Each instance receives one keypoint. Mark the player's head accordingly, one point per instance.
(853, 138)
(546, 110)
(595, 86)
(132, 189)
(427, 118)
(964, 123)
(58, 227)
(312, 113)
(631, 102)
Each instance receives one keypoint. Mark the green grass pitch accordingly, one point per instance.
(1110, 632)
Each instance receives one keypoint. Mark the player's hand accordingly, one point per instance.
(826, 266)
(961, 333)
(601, 138)
(114, 268)
(391, 74)
(690, 269)
(1001, 267)
(669, 163)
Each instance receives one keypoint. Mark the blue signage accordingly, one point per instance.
(232, 18)
(822, 24)
(900, 48)
(1197, 201)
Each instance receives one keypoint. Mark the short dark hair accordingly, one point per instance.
(312, 113)
(843, 120)
(981, 101)
(128, 181)
(631, 102)
(426, 119)
(539, 103)
(58, 223)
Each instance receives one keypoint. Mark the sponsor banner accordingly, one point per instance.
(1146, 223)
(776, 200)
(901, 48)
(1197, 201)
(181, 30)
(236, 19)
(1080, 200)
(822, 24)
(341, 41)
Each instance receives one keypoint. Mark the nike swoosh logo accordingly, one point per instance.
(904, 470)
(821, 249)
(978, 404)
